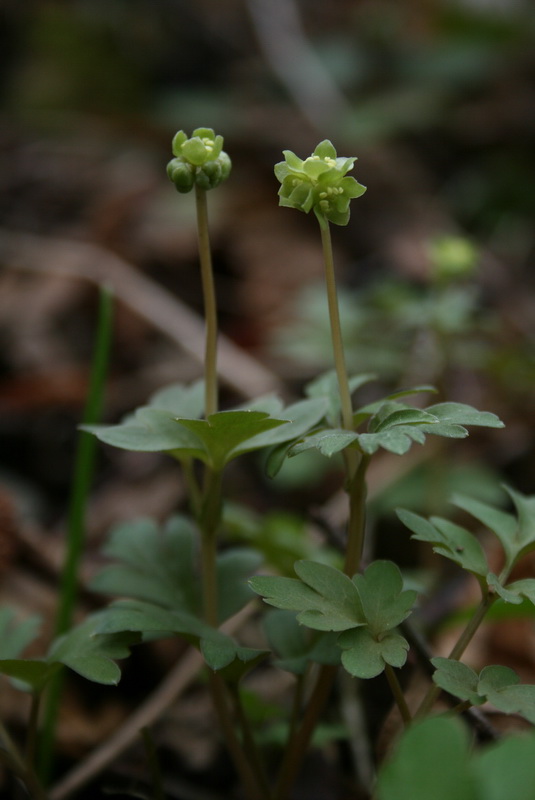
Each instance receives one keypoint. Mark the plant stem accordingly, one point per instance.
(336, 329)
(14, 760)
(249, 744)
(397, 691)
(297, 746)
(210, 307)
(209, 519)
(83, 476)
(457, 651)
(355, 468)
(31, 737)
(209, 523)
(153, 764)
(247, 775)
(357, 517)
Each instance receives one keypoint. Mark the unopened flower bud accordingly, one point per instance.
(202, 156)
(182, 175)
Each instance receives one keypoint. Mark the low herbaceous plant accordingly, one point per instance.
(176, 580)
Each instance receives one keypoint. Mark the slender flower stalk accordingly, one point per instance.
(201, 163)
(336, 328)
(210, 306)
(320, 183)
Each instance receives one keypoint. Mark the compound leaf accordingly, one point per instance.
(227, 434)
(516, 534)
(300, 418)
(462, 414)
(384, 602)
(365, 655)
(161, 567)
(458, 679)
(325, 598)
(501, 687)
(449, 540)
(327, 442)
(91, 655)
(296, 646)
(421, 766)
(507, 769)
(15, 636)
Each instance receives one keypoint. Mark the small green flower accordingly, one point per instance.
(199, 160)
(319, 182)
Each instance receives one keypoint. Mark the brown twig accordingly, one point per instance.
(93, 263)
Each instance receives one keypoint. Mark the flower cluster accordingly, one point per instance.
(198, 160)
(319, 182)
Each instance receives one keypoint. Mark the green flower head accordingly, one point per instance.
(198, 160)
(320, 182)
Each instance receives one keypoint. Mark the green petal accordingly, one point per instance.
(325, 149)
(345, 164)
(178, 140)
(204, 133)
(281, 170)
(315, 168)
(338, 217)
(195, 151)
(352, 188)
(293, 161)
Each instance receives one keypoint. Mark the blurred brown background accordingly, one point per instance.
(436, 97)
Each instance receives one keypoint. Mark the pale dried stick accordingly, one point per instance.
(91, 262)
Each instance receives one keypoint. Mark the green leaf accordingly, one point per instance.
(326, 386)
(325, 598)
(33, 673)
(384, 602)
(180, 400)
(505, 593)
(394, 426)
(523, 588)
(391, 414)
(525, 534)
(364, 412)
(234, 567)
(507, 769)
(227, 434)
(365, 656)
(219, 650)
(281, 537)
(430, 762)
(501, 687)
(397, 440)
(449, 540)
(462, 414)
(328, 442)
(229, 658)
(152, 564)
(297, 647)
(154, 427)
(517, 535)
(302, 417)
(495, 684)
(90, 655)
(16, 636)
(161, 567)
(458, 679)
